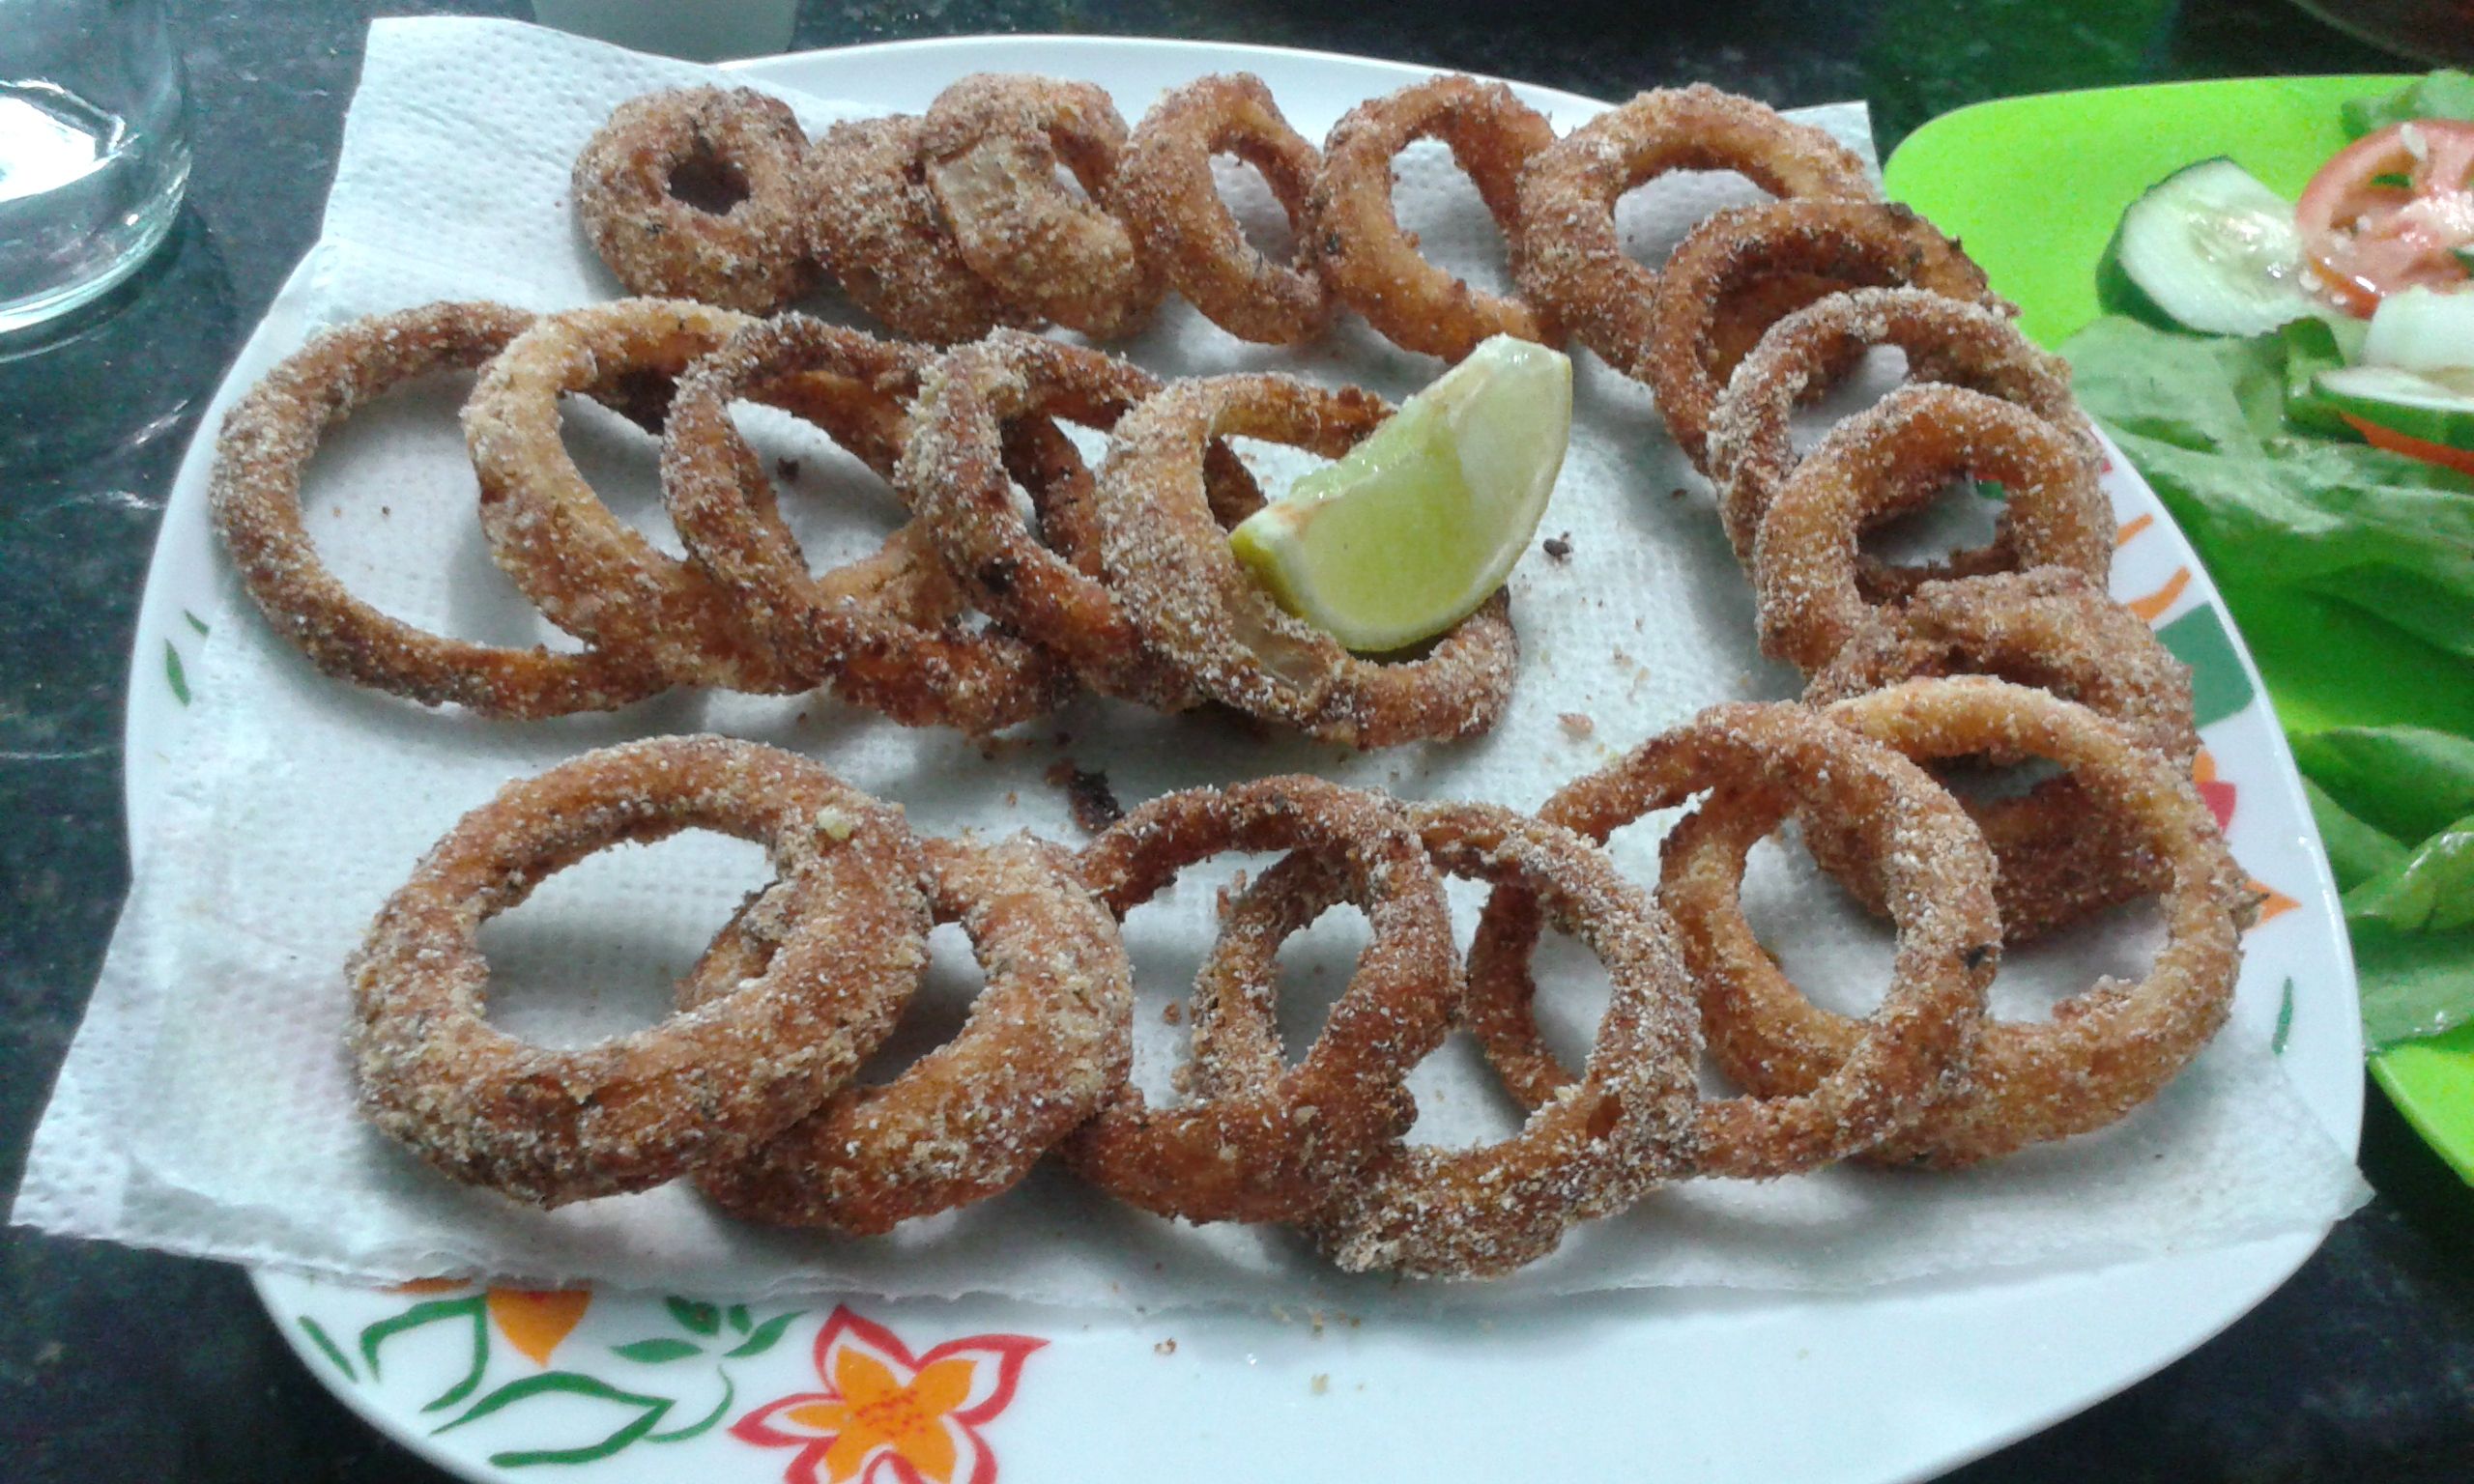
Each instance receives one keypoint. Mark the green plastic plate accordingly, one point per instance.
(2033, 187)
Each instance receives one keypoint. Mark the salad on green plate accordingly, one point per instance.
(2278, 330)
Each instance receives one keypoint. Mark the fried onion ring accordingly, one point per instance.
(707, 1085)
(1169, 561)
(1703, 319)
(888, 629)
(265, 445)
(1373, 264)
(2058, 857)
(1046, 1043)
(959, 472)
(587, 570)
(1815, 583)
(1629, 1125)
(1760, 761)
(990, 145)
(2105, 1051)
(874, 227)
(1809, 352)
(1165, 193)
(1277, 1150)
(726, 142)
(1570, 257)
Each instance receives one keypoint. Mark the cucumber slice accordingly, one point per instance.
(2211, 249)
(2423, 329)
(2420, 407)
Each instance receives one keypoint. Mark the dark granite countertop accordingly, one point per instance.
(117, 1364)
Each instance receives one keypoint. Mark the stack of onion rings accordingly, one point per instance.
(266, 444)
(710, 1084)
(2058, 858)
(1815, 583)
(1743, 268)
(1123, 579)
(1803, 356)
(2104, 1052)
(1569, 258)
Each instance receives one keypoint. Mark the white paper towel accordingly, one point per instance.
(206, 1105)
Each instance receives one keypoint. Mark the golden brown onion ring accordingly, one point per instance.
(966, 455)
(873, 225)
(1165, 193)
(1720, 290)
(1759, 761)
(990, 145)
(750, 254)
(1809, 352)
(1570, 259)
(1375, 265)
(1813, 579)
(1277, 1150)
(2103, 1051)
(2058, 856)
(888, 630)
(706, 1086)
(1629, 1125)
(1044, 1044)
(266, 442)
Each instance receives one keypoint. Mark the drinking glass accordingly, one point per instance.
(93, 153)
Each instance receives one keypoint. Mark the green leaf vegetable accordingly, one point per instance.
(2296, 523)
(2442, 94)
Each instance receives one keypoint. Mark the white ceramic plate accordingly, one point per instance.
(1886, 1384)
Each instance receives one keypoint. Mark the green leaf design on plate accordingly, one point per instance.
(2219, 687)
(699, 1317)
(471, 1308)
(2285, 1021)
(767, 1334)
(173, 673)
(651, 1410)
(704, 1424)
(738, 1318)
(326, 1347)
(195, 622)
(660, 1350)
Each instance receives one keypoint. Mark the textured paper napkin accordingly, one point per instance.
(207, 1105)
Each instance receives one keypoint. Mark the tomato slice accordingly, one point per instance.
(2367, 236)
(2458, 459)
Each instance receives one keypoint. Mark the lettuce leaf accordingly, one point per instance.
(2287, 519)
(2413, 934)
(2356, 851)
(2406, 782)
(2204, 418)
(2446, 94)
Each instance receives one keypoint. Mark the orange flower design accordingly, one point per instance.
(917, 1418)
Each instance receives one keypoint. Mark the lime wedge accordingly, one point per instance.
(1423, 519)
